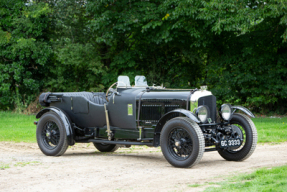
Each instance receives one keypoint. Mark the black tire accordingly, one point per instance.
(106, 147)
(51, 135)
(249, 139)
(182, 142)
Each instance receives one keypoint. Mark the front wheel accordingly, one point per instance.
(102, 147)
(182, 142)
(51, 135)
(249, 136)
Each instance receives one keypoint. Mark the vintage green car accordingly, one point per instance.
(183, 122)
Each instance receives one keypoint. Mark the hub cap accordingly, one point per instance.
(48, 134)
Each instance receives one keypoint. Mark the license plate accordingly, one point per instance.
(230, 142)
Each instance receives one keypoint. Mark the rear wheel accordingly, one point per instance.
(249, 136)
(102, 147)
(182, 142)
(51, 135)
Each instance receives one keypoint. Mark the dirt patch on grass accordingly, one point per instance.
(23, 167)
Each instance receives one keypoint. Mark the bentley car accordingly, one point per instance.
(183, 122)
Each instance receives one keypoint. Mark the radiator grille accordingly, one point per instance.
(151, 112)
(209, 101)
(153, 109)
(169, 108)
(155, 112)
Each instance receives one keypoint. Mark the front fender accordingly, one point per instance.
(169, 116)
(65, 120)
(245, 110)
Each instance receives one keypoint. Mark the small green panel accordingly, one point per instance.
(130, 109)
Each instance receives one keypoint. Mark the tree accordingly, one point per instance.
(24, 51)
(238, 48)
(148, 38)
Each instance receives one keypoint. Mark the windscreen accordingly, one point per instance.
(123, 81)
(140, 81)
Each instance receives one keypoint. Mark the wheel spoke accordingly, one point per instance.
(183, 149)
(50, 135)
(52, 140)
(179, 152)
(189, 148)
(243, 136)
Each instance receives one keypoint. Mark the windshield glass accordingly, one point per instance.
(140, 81)
(123, 81)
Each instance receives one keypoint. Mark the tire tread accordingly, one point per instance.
(254, 135)
(242, 155)
(201, 142)
(64, 146)
(200, 138)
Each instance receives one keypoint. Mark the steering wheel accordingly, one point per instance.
(109, 89)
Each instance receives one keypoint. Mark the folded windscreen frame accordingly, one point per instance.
(140, 81)
(123, 81)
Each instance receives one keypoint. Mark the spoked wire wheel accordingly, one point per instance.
(50, 135)
(103, 147)
(249, 135)
(180, 143)
(238, 127)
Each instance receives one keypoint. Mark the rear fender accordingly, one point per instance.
(169, 116)
(64, 117)
(243, 109)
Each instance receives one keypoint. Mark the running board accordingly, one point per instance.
(119, 142)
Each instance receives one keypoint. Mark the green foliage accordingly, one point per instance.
(266, 179)
(142, 37)
(23, 164)
(78, 65)
(24, 51)
(77, 62)
(251, 63)
(4, 166)
(237, 48)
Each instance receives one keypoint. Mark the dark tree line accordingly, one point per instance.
(238, 48)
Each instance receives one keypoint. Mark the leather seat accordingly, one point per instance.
(97, 97)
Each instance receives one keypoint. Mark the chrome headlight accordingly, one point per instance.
(225, 111)
(202, 113)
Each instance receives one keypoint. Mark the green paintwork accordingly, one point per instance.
(130, 109)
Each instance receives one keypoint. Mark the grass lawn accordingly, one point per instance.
(271, 129)
(266, 179)
(18, 127)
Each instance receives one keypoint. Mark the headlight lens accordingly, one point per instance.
(202, 113)
(225, 111)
